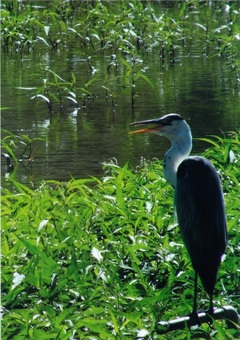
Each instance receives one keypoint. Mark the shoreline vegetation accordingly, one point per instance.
(102, 258)
(106, 261)
(122, 27)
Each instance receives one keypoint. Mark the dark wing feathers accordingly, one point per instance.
(201, 217)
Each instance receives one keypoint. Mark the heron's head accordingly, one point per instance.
(171, 126)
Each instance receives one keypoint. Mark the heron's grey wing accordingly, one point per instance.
(201, 216)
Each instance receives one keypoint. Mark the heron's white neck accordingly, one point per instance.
(180, 149)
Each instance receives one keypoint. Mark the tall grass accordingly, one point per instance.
(103, 259)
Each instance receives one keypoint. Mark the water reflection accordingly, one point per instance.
(77, 141)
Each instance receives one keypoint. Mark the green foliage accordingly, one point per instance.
(55, 89)
(124, 31)
(103, 258)
(17, 148)
(123, 27)
(134, 72)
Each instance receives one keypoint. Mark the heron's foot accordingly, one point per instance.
(210, 311)
(194, 319)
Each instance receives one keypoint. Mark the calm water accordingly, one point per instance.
(76, 141)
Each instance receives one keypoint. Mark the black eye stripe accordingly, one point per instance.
(170, 119)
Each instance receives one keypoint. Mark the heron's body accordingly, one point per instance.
(198, 199)
(201, 217)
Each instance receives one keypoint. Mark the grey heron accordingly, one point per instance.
(198, 199)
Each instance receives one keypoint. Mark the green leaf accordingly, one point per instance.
(34, 250)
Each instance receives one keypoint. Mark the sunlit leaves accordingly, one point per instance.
(17, 148)
(127, 27)
(103, 258)
(123, 29)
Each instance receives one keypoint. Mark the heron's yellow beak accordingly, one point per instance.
(145, 130)
(156, 126)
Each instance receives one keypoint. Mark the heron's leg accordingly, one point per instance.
(210, 311)
(195, 294)
(194, 315)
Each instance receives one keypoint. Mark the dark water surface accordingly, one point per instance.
(76, 141)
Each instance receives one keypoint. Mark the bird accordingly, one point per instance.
(198, 201)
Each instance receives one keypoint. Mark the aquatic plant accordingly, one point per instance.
(125, 30)
(17, 148)
(135, 70)
(122, 27)
(104, 259)
(51, 90)
(56, 90)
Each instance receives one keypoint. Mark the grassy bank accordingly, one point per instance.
(102, 259)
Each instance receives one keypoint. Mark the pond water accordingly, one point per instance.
(75, 141)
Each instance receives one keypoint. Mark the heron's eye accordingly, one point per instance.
(167, 121)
